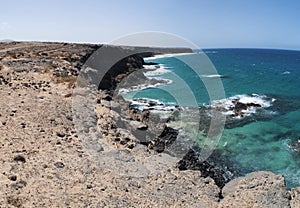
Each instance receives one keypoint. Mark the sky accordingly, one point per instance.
(207, 23)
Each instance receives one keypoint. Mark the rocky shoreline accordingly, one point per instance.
(46, 163)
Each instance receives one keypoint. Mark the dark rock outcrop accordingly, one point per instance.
(191, 161)
(120, 70)
(295, 145)
(165, 139)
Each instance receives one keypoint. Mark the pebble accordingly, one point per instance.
(19, 185)
(59, 134)
(12, 177)
(59, 165)
(20, 158)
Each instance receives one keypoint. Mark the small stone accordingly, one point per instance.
(59, 165)
(20, 158)
(19, 185)
(12, 177)
(131, 146)
(60, 134)
(123, 142)
(68, 95)
(89, 186)
(142, 127)
(70, 118)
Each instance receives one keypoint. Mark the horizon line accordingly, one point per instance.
(99, 43)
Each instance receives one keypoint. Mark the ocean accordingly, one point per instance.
(269, 139)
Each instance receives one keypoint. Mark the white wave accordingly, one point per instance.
(144, 86)
(211, 52)
(123, 91)
(150, 67)
(213, 76)
(156, 106)
(286, 72)
(138, 87)
(161, 69)
(256, 99)
(227, 105)
(166, 55)
(145, 101)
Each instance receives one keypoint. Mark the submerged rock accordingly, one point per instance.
(295, 145)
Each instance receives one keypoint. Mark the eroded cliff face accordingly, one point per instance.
(44, 163)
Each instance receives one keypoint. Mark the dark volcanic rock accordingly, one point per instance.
(240, 106)
(12, 177)
(166, 138)
(295, 145)
(60, 134)
(191, 161)
(20, 158)
(120, 70)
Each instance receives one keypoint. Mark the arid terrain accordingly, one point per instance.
(45, 163)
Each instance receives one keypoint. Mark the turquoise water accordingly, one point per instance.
(258, 145)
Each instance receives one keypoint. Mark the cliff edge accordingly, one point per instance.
(45, 163)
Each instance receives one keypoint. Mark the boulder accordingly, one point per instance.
(257, 189)
(295, 145)
(138, 125)
(240, 106)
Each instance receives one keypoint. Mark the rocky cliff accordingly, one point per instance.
(45, 163)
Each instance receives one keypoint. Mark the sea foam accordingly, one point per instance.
(156, 71)
(253, 101)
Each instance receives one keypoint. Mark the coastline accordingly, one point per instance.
(37, 80)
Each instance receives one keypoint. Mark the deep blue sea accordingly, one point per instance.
(256, 145)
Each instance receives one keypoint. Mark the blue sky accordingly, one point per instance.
(207, 23)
